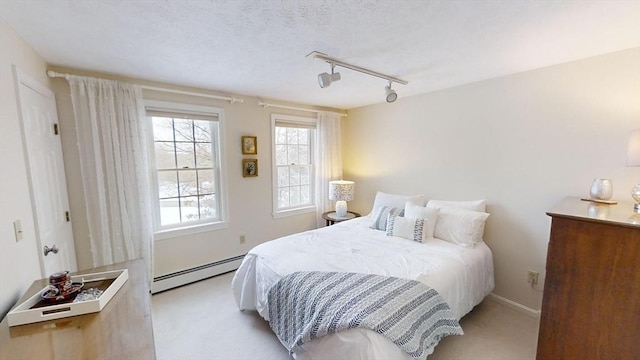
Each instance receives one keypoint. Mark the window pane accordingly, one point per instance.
(185, 156)
(294, 175)
(281, 155)
(183, 129)
(189, 208)
(165, 155)
(294, 193)
(292, 154)
(187, 183)
(167, 184)
(204, 155)
(281, 135)
(207, 184)
(305, 195)
(162, 129)
(303, 154)
(169, 211)
(283, 197)
(202, 131)
(292, 136)
(303, 136)
(283, 176)
(304, 175)
(208, 207)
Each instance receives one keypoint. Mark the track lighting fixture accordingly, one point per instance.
(391, 94)
(326, 79)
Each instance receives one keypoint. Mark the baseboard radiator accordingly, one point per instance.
(184, 277)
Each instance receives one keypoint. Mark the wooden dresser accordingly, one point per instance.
(591, 302)
(122, 330)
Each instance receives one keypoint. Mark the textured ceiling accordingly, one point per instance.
(258, 48)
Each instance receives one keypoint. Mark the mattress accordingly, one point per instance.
(462, 276)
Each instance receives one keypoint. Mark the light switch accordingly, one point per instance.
(17, 227)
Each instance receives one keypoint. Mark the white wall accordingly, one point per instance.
(19, 263)
(250, 199)
(522, 142)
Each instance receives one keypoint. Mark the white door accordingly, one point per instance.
(48, 183)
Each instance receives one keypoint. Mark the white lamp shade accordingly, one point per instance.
(341, 190)
(633, 151)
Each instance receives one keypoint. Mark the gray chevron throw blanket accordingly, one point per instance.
(307, 305)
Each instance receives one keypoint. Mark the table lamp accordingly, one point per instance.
(341, 191)
(633, 159)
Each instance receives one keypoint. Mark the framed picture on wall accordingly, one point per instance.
(249, 167)
(249, 145)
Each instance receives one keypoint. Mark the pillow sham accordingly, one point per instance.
(380, 216)
(407, 228)
(474, 205)
(397, 201)
(414, 211)
(460, 226)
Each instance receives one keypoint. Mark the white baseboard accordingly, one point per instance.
(515, 306)
(184, 277)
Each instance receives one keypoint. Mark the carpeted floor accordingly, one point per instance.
(202, 321)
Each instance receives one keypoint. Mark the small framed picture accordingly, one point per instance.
(249, 167)
(249, 145)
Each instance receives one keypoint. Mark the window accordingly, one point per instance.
(293, 147)
(187, 165)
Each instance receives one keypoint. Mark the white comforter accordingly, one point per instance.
(462, 276)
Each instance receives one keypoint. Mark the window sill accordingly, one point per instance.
(294, 212)
(189, 230)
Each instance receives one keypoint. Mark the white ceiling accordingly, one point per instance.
(258, 48)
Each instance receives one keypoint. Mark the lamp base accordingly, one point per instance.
(341, 208)
(636, 208)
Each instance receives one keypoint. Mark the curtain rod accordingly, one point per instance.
(266, 105)
(53, 74)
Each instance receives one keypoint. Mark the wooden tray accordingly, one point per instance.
(34, 309)
(608, 202)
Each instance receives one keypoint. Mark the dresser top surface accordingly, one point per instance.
(621, 213)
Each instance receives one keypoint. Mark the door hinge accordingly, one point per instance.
(55, 129)
(66, 215)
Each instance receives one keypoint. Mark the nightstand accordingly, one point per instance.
(332, 218)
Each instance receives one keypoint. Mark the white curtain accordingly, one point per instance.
(112, 141)
(328, 159)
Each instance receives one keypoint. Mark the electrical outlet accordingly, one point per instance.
(532, 277)
(242, 239)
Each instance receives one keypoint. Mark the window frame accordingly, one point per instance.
(294, 120)
(192, 227)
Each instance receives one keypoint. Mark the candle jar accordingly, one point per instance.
(601, 189)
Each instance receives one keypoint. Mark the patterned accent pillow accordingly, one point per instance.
(429, 215)
(380, 216)
(408, 228)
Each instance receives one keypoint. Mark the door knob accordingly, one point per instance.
(47, 250)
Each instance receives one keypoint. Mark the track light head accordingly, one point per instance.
(326, 79)
(391, 94)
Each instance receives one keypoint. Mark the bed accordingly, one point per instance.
(462, 275)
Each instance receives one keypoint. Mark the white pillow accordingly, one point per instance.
(475, 205)
(380, 216)
(408, 228)
(396, 201)
(460, 226)
(412, 210)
